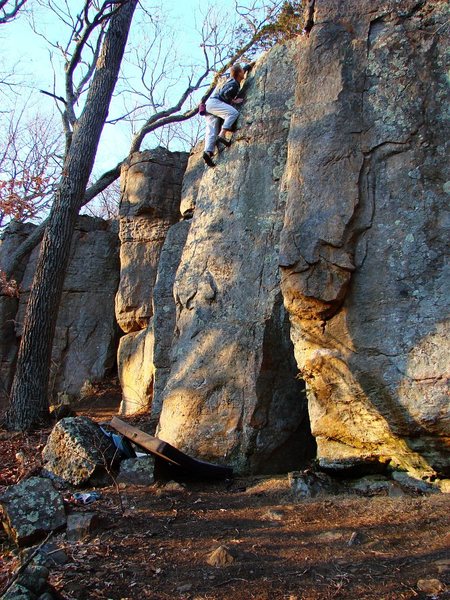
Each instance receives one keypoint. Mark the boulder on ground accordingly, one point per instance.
(31, 509)
(309, 484)
(77, 450)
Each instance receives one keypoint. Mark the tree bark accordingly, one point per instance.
(29, 393)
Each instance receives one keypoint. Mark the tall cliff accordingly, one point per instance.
(329, 208)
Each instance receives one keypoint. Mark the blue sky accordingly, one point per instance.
(30, 53)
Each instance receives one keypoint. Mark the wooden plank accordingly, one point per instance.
(171, 454)
(146, 441)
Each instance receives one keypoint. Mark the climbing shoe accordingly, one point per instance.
(208, 160)
(221, 140)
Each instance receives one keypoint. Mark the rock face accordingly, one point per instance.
(232, 392)
(32, 509)
(337, 184)
(150, 204)
(14, 235)
(363, 243)
(86, 335)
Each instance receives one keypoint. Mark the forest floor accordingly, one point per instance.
(155, 542)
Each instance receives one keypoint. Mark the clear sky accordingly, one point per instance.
(21, 47)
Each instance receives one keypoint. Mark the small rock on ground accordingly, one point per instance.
(430, 587)
(220, 557)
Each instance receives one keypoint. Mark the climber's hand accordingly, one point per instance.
(238, 101)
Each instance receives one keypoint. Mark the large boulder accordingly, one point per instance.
(339, 175)
(231, 393)
(364, 240)
(77, 450)
(150, 205)
(31, 509)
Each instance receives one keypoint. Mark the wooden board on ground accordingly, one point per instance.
(170, 454)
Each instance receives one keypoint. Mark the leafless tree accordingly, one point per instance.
(30, 164)
(28, 398)
(9, 9)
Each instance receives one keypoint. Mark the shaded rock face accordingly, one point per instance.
(363, 244)
(13, 236)
(232, 394)
(86, 334)
(150, 204)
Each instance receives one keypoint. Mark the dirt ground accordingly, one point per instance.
(155, 542)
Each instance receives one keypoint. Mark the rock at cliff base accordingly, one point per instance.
(32, 509)
(76, 450)
(137, 471)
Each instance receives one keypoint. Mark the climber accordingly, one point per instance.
(219, 106)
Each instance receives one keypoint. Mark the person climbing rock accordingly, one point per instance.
(219, 106)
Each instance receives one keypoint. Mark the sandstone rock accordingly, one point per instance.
(232, 394)
(31, 509)
(220, 557)
(443, 485)
(136, 371)
(137, 471)
(51, 555)
(34, 578)
(274, 515)
(150, 200)
(86, 335)
(30, 585)
(77, 450)
(174, 486)
(192, 179)
(443, 566)
(164, 319)
(80, 525)
(141, 240)
(363, 244)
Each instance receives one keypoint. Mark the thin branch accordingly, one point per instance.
(60, 98)
(6, 16)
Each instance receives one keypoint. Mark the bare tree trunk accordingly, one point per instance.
(28, 400)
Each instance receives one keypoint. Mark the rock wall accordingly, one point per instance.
(150, 204)
(364, 240)
(231, 392)
(86, 334)
(337, 185)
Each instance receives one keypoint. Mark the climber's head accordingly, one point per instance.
(237, 72)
